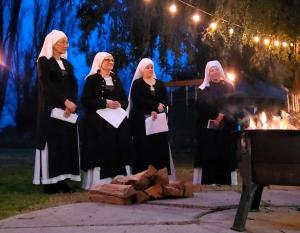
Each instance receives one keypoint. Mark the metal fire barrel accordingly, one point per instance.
(267, 157)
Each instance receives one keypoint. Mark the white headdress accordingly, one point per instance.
(50, 40)
(98, 60)
(206, 80)
(139, 74)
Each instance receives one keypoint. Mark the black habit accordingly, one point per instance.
(216, 147)
(152, 149)
(104, 145)
(54, 87)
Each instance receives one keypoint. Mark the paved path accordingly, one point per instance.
(206, 212)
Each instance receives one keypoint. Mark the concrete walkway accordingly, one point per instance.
(206, 212)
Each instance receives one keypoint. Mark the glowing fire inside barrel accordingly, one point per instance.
(262, 121)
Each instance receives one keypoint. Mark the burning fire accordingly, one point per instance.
(262, 121)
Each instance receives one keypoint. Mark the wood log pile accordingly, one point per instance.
(150, 184)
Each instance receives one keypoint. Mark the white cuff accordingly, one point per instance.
(128, 170)
(234, 180)
(197, 176)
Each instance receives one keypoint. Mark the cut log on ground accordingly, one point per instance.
(143, 186)
(170, 191)
(117, 190)
(110, 199)
(154, 191)
(161, 177)
(141, 196)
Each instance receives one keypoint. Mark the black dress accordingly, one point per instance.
(54, 87)
(152, 149)
(216, 147)
(104, 146)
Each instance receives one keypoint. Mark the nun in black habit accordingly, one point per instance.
(215, 160)
(107, 151)
(57, 152)
(148, 97)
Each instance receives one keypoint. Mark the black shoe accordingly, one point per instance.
(50, 188)
(63, 187)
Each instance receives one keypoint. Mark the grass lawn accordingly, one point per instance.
(19, 195)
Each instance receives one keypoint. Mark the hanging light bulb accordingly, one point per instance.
(284, 44)
(173, 8)
(231, 31)
(213, 26)
(256, 39)
(291, 44)
(266, 41)
(196, 17)
(231, 76)
(276, 43)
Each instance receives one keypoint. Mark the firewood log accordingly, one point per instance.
(149, 172)
(188, 190)
(110, 199)
(154, 191)
(179, 184)
(170, 191)
(161, 177)
(141, 196)
(117, 190)
(138, 181)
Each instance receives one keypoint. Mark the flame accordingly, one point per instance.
(274, 122)
(263, 120)
(284, 120)
(252, 124)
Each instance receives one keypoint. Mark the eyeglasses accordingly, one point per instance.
(109, 60)
(63, 42)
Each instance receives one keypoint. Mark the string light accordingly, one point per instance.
(213, 26)
(196, 17)
(276, 43)
(256, 39)
(173, 8)
(266, 41)
(231, 77)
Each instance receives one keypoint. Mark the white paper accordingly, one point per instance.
(113, 116)
(58, 113)
(158, 125)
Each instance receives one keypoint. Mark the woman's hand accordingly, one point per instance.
(219, 118)
(154, 115)
(161, 107)
(70, 106)
(112, 104)
(67, 113)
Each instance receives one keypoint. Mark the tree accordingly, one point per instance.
(276, 20)
(133, 27)
(8, 38)
(57, 15)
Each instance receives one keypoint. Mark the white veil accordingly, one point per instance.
(206, 80)
(139, 74)
(50, 40)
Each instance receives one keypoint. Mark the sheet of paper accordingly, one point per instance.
(158, 125)
(211, 124)
(58, 113)
(112, 116)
